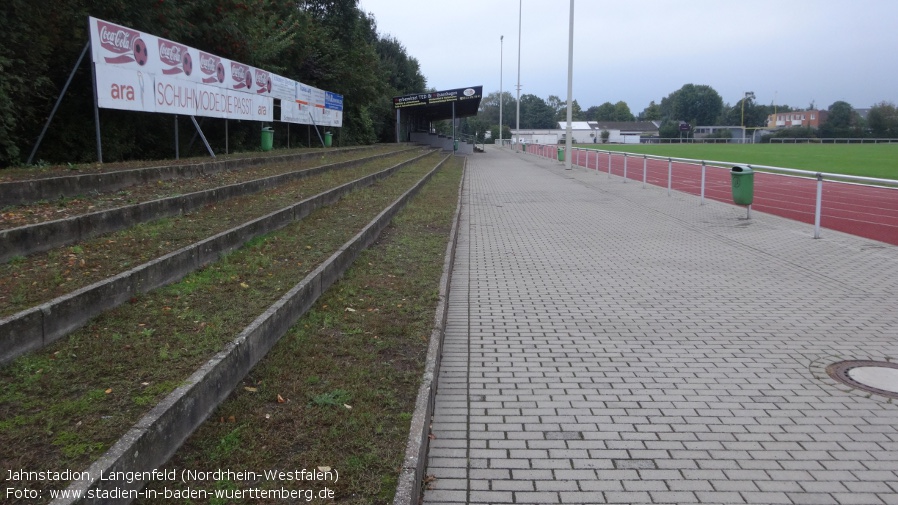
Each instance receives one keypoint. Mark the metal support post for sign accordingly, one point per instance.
(288, 135)
(669, 175)
(625, 167)
(93, 71)
(645, 168)
(226, 136)
(702, 202)
(316, 130)
(65, 88)
(454, 140)
(202, 136)
(398, 127)
(177, 144)
(819, 205)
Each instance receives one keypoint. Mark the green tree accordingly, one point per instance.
(604, 112)
(754, 115)
(622, 112)
(489, 108)
(651, 113)
(697, 104)
(536, 113)
(841, 121)
(883, 120)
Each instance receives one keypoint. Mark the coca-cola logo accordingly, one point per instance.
(116, 38)
(125, 43)
(241, 75)
(175, 56)
(263, 81)
(211, 66)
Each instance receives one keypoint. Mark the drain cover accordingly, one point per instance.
(878, 377)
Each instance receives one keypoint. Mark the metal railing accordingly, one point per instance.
(886, 205)
(847, 140)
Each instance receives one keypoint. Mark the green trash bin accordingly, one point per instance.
(267, 138)
(560, 154)
(328, 139)
(455, 145)
(743, 179)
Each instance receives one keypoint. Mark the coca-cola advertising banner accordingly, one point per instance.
(141, 72)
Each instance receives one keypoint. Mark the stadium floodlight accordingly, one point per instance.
(568, 142)
(518, 113)
(501, 51)
(746, 96)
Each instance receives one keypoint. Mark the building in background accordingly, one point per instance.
(803, 118)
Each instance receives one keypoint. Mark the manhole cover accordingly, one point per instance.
(879, 377)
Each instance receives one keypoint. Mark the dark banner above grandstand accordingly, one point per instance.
(438, 97)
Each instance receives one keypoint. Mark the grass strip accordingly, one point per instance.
(339, 389)
(50, 210)
(39, 278)
(65, 405)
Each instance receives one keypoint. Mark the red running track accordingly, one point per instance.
(865, 211)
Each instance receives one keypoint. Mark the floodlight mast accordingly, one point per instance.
(568, 142)
(518, 114)
(501, 51)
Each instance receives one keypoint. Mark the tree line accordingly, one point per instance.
(329, 44)
(698, 105)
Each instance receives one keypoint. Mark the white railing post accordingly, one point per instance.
(819, 205)
(625, 167)
(669, 175)
(645, 164)
(703, 183)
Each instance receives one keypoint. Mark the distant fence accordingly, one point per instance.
(831, 141)
(862, 206)
(700, 140)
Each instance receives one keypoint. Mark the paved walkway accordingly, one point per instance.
(611, 344)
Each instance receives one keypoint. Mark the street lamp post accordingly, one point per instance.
(745, 96)
(501, 51)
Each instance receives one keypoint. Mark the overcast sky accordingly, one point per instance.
(793, 52)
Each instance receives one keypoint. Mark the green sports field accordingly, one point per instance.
(869, 160)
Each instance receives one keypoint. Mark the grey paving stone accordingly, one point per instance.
(606, 336)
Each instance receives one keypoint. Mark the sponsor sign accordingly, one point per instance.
(119, 88)
(141, 72)
(438, 97)
(283, 89)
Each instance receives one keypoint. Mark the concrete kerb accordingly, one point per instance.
(408, 489)
(40, 237)
(28, 330)
(156, 437)
(34, 190)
